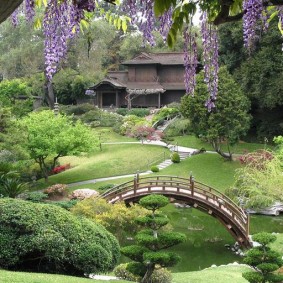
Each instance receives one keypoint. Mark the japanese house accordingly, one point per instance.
(151, 80)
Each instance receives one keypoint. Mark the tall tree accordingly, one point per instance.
(227, 122)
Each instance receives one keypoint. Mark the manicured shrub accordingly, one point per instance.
(154, 168)
(67, 204)
(175, 157)
(140, 112)
(122, 111)
(46, 238)
(35, 196)
(161, 275)
(61, 168)
(105, 187)
(121, 272)
(78, 109)
(56, 190)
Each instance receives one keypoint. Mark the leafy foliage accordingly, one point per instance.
(175, 157)
(147, 254)
(253, 189)
(11, 185)
(46, 135)
(263, 260)
(228, 122)
(116, 218)
(154, 168)
(46, 238)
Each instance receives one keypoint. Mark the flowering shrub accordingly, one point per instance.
(256, 159)
(61, 168)
(56, 190)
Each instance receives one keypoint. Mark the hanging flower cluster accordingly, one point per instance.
(210, 59)
(280, 16)
(252, 14)
(190, 60)
(62, 19)
(142, 15)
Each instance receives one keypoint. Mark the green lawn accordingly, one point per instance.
(221, 274)
(25, 277)
(113, 160)
(108, 135)
(194, 142)
(207, 168)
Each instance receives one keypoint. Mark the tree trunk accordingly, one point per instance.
(49, 93)
(216, 145)
(148, 274)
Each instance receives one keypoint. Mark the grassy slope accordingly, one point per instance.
(210, 169)
(25, 277)
(222, 274)
(113, 160)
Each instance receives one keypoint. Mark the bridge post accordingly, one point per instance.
(192, 183)
(138, 176)
(135, 184)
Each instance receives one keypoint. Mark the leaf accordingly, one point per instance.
(159, 7)
(119, 22)
(84, 24)
(37, 23)
(124, 25)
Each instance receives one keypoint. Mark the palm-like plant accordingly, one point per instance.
(11, 185)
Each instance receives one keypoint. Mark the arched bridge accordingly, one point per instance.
(196, 194)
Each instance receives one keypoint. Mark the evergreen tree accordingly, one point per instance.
(148, 253)
(263, 260)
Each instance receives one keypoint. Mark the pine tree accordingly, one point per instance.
(148, 252)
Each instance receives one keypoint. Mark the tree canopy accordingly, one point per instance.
(228, 122)
(63, 19)
(48, 136)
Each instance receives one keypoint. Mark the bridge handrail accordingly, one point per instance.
(141, 181)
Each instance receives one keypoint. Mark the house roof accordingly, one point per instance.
(110, 81)
(164, 58)
(144, 85)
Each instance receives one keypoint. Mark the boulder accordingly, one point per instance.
(274, 209)
(83, 193)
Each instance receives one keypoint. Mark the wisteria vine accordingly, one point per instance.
(210, 59)
(62, 19)
(190, 60)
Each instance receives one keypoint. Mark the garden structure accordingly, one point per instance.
(196, 194)
(152, 80)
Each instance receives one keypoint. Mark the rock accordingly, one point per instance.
(213, 265)
(83, 193)
(274, 209)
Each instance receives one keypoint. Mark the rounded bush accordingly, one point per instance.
(175, 157)
(47, 238)
(121, 272)
(161, 275)
(154, 168)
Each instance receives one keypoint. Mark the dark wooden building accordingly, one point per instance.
(152, 80)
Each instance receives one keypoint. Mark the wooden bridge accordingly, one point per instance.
(188, 191)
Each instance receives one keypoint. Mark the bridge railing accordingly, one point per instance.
(185, 187)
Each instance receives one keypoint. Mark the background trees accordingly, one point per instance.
(228, 122)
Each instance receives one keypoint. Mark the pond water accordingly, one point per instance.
(206, 237)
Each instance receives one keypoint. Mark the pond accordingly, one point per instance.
(206, 237)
